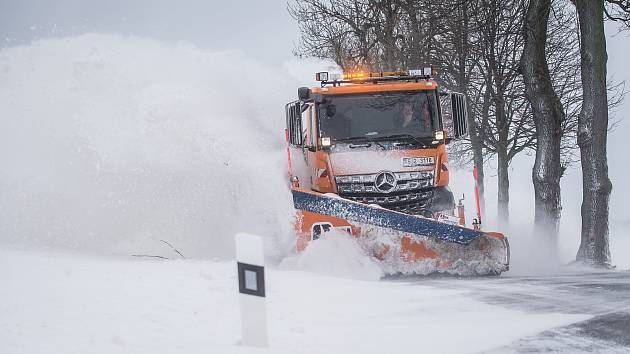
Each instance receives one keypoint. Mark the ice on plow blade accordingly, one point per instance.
(409, 244)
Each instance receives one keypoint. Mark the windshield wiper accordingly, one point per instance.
(396, 136)
(366, 139)
(379, 144)
(354, 138)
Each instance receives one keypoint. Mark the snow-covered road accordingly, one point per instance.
(604, 295)
(68, 303)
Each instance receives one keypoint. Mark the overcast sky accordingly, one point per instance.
(263, 29)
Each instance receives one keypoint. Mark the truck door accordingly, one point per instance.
(299, 139)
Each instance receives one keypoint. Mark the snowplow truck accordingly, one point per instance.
(367, 156)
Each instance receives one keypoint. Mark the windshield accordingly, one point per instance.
(376, 115)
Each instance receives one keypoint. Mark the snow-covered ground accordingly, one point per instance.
(69, 303)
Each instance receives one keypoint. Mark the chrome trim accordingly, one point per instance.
(386, 182)
(404, 181)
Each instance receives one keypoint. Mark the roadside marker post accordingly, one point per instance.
(251, 286)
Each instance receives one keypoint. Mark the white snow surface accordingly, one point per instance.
(69, 303)
(335, 254)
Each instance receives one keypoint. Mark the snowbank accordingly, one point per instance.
(110, 144)
(97, 305)
(337, 255)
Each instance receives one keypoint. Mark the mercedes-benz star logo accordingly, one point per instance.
(385, 182)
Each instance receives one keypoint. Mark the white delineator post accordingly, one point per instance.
(251, 286)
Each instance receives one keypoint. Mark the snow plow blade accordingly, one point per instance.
(403, 243)
(377, 216)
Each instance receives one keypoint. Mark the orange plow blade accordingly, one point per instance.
(401, 243)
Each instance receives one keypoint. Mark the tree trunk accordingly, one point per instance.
(592, 135)
(463, 82)
(463, 86)
(478, 152)
(548, 115)
(477, 148)
(503, 160)
(504, 189)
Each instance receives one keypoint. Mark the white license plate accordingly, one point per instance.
(417, 161)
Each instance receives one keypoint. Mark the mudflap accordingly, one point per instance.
(401, 243)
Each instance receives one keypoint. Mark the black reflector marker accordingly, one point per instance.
(251, 279)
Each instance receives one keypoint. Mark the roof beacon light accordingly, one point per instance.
(355, 75)
(328, 77)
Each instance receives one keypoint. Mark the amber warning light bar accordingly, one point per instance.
(325, 76)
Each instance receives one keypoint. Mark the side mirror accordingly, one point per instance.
(454, 114)
(294, 123)
(304, 93)
(460, 115)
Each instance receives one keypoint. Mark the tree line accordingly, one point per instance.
(533, 71)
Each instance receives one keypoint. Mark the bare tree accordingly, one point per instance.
(555, 146)
(563, 60)
(592, 135)
(562, 55)
(387, 17)
(618, 11)
(548, 116)
(507, 130)
(593, 124)
(457, 56)
(338, 30)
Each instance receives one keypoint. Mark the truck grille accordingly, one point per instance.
(410, 192)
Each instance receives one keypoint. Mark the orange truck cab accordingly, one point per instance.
(376, 138)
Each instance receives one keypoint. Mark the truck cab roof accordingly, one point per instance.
(376, 87)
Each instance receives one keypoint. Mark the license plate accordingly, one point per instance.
(417, 161)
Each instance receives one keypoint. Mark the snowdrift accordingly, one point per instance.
(116, 305)
(335, 254)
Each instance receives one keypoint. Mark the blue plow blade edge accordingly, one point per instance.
(362, 213)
